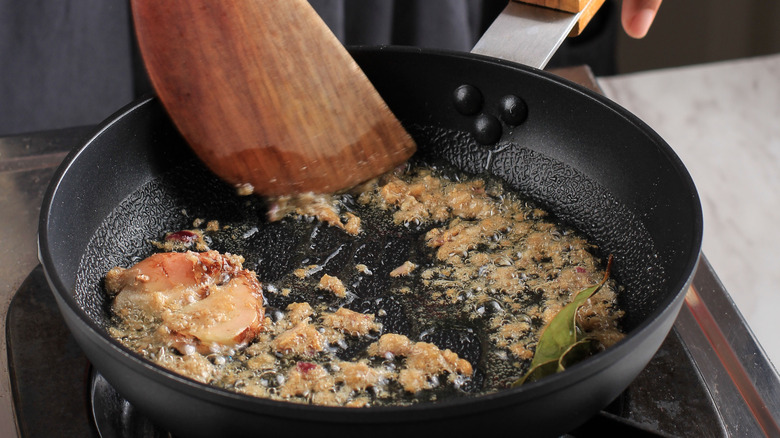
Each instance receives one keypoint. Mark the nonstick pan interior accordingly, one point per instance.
(578, 155)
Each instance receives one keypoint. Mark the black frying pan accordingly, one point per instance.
(579, 155)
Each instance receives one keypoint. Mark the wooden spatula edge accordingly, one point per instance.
(266, 95)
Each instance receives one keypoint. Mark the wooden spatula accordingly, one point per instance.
(266, 95)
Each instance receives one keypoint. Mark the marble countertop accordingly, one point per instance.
(723, 120)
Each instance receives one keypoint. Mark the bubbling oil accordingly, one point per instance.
(490, 271)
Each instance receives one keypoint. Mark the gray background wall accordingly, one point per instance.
(697, 31)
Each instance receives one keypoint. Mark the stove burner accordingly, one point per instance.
(115, 417)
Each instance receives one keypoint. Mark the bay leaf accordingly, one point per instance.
(560, 336)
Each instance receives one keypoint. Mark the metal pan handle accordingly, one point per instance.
(528, 33)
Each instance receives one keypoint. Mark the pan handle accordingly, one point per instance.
(528, 33)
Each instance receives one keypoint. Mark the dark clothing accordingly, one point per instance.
(62, 62)
(450, 24)
(457, 25)
(71, 62)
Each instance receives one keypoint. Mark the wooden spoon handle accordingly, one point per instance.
(266, 95)
(588, 8)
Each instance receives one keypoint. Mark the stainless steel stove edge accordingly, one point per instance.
(741, 379)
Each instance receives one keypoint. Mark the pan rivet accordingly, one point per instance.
(468, 99)
(513, 110)
(487, 129)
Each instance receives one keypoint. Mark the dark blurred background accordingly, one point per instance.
(71, 62)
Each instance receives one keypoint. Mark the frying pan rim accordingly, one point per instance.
(442, 409)
(44, 255)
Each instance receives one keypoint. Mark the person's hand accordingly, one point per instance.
(638, 15)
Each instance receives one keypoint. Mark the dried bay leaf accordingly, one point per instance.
(559, 345)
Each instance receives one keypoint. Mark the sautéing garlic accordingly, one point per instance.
(484, 273)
